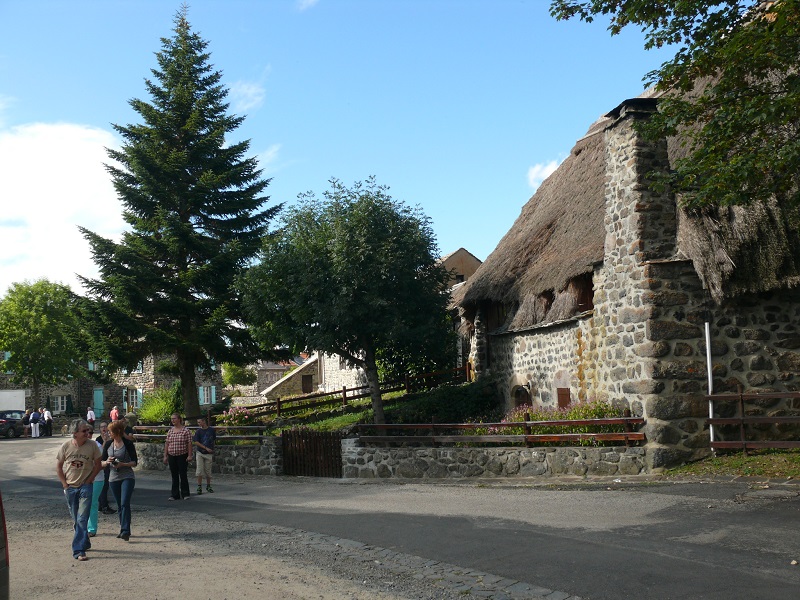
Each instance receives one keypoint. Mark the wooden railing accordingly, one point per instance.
(742, 421)
(145, 433)
(281, 407)
(441, 433)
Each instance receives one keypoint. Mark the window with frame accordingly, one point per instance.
(131, 398)
(59, 404)
(207, 394)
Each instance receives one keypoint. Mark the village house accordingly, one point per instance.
(125, 390)
(602, 288)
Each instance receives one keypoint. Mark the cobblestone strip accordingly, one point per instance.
(467, 582)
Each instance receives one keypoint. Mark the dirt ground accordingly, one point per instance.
(174, 554)
(166, 559)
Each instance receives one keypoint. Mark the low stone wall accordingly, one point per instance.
(442, 463)
(425, 463)
(253, 459)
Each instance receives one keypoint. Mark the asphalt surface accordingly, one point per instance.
(596, 539)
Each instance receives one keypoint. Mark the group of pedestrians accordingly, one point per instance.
(37, 423)
(79, 462)
(178, 453)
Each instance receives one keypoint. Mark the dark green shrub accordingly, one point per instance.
(469, 402)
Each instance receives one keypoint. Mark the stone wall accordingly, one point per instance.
(643, 347)
(79, 389)
(458, 463)
(336, 374)
(251, 459)
(542, 359)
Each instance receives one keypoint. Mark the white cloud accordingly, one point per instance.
(268, 158)
(246, 95)
(54, 180)
(306, 4)
(539, 172)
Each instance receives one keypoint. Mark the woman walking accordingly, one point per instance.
(178, 455)
(120, 454)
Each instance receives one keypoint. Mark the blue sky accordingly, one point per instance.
(460, 107)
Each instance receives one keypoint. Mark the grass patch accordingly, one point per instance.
(758, 463)
(447, 404)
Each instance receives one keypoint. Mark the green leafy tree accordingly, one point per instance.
(40, 330)
(194, 206)
(732, 91)
(234, 375)
(354, 274)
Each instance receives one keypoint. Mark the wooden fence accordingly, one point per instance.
(281, 407)
(312, 453)
(225, 434)
(743, 420)
(442, 433)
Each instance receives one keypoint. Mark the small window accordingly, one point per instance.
(207, 394)
(308, 384)
(564, 399)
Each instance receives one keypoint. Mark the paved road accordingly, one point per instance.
(604, 539)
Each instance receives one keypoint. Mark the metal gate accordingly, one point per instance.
(312, 453)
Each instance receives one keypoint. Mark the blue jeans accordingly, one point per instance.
(123, 490)
(79, 501)
(97, 486)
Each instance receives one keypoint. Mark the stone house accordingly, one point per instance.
(128, 387)
(124, 390)
(268, 373)
(319, 373)
(602, 288)
(462, 264)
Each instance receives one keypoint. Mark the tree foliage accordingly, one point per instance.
(193, 202)
(235, 375)
(40, 329)
(732, 91)
(158, 405)
(354, 274)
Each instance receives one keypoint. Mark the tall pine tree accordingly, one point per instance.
(195, 209)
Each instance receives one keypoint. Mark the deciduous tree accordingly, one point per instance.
(194, 205)
(40, 331)
(732, 91)
(354, 274)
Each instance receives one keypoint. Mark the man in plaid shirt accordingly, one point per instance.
(178, 455)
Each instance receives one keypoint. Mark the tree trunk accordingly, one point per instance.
(36, 390)
(191, 404)
(371, 371)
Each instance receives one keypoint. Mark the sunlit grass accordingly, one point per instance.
(774, 464)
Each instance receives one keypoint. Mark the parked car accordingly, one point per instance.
(11, 423)
(4, 585)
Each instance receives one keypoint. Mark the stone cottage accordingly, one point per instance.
(123, 388)
(602, 288)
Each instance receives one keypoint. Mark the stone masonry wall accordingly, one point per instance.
(544, 358)
(643, 346)
(459, 463)
(251, 459)
(336, 374)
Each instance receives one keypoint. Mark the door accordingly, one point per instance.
(98, 400)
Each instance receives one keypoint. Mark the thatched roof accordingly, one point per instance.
(739, 249)
(560, 235)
